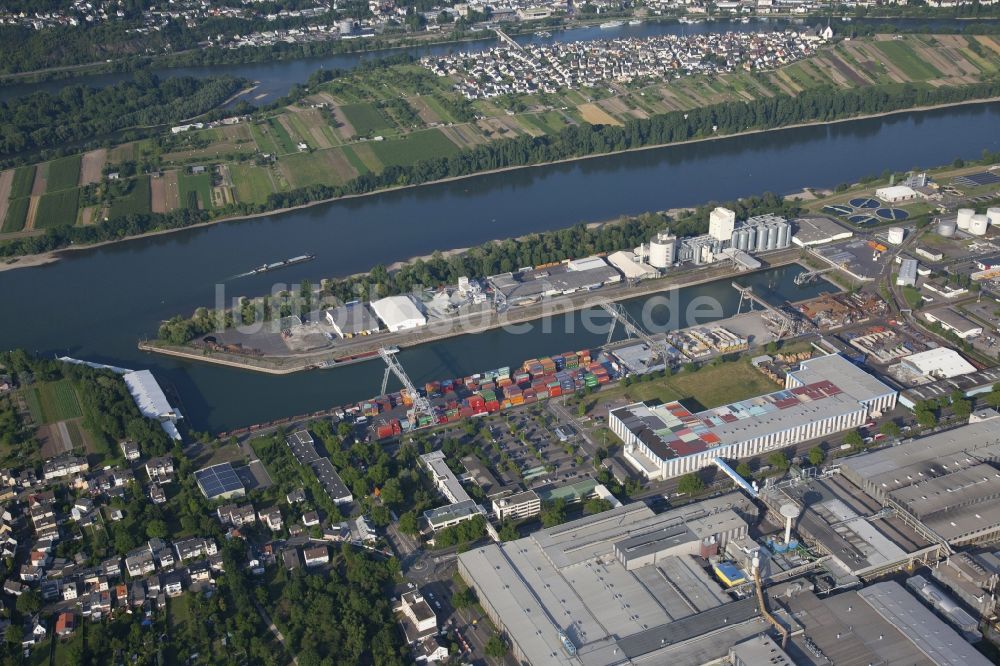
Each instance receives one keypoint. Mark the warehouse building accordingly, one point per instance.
(626, 584)
(665, 441)
(532, 285)
(817, 231)
(952, 321)
(907, 276)
(352, 319)
(630, 267)
(896, 193)
(945, 482)
(937, 363)
(399, 313)
(972, 384)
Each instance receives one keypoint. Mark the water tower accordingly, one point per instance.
(790, 512)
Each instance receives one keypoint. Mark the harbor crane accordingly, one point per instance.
(421, 405)
(620, 315)
(780, 320)
(808, 276)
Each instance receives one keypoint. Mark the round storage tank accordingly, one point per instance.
(993, 215)
(978, 225)
(742, 239)
(761, 239)
(784, 236)
(946, 227)
(772, 238)
(751, 238)
(896, 235)
(964, 217)
(657, 254)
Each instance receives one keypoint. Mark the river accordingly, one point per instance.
(276, 78)
(95, 304)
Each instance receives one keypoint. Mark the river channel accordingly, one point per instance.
(96, 304)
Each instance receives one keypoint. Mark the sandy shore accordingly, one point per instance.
(54, 255)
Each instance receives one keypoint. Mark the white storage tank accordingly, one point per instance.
(661, 250)
(784, 236)
(978, 225)
(964, 218)
(896, 235)
(947, 227)
(772, 238)
(993, 215)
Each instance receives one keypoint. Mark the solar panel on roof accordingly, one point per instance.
(218, 479)
(976, 179)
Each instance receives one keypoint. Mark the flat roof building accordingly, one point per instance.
(352, 319)
(895, 193)
(954, 322)
(623, 584)
(399, 313)
(517, 506)
(531, 285)
(152, 402)
(818, 230)
(907, 276)
(461, 507)
(664, 441)
(938, 363)
(630, 267)
(219, 482)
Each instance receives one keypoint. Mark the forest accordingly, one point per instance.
(44, 120)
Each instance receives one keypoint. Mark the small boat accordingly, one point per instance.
(635, 22)
(612, 24)
(543, 33)
(264, 268)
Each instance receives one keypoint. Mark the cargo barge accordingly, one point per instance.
(264, 268)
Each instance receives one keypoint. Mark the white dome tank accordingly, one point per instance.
(946, 227)
(896, 235)
(993, 214)
(978, 225)
(661, 250)
(964, 217)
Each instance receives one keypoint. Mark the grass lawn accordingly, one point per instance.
(57, 209)
(180, 610)
(280, 136)
(355, 161)
(17, 214)
(65, 651)
(195, 190)
(365, 118)
(262, 135)
(413, 148)
(251, 182)
(24, 178)
(64, 173)
(53, 401)
(308, 169)
(136, 201)
(903, 57)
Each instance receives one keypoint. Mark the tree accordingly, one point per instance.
(29, 602)
(156, 529)
(554, 513)
(778, 460)
(508, 532)
(596, 505)
(890, 429)
(854, 439)
(743, 469)
(690, 484)
(926, 418)
(463, 598)
(408, 523)
(816, 456)
(496, 647)
(962, 408)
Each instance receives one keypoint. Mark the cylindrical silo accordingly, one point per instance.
(772, 237)
(761, 239)
(993, 215)
(946, 227)
(964, 217)
(784, 236)
(896, 235)
(740, 238)
(751, 238)
(978, 225)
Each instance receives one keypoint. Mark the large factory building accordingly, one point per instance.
(825, 396)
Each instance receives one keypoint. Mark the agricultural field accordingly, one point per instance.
(366, 119)
(53, 401)
(136, 202)
(64, 173)
(252, 183)
(17, 215)
(413, 148)
(57, 209)
(24, 178)
(195, 190)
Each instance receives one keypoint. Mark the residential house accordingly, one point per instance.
(30, 574)
(316, 556)
(296, 496)
(70, 590)
(310, 518)
(416, 616)
(65, 624)
(156, 494)
(339, 532)
(200, 572)
(196, 547)
(172, 583)
(130, 450)
(160, 470)
(13, 587)
(139, 562)
(272, 518)
(82, 507)
(237, 516)
(112, 566)
(64, 467)
(290, 558)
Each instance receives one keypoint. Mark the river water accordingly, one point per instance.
(96, 304)
(276, 78)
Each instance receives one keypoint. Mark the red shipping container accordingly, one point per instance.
(555, 391)
(492, 406)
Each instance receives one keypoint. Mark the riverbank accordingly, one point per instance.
(28, 261)
(465, 325)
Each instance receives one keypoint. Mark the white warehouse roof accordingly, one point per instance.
(940, 363)
(586, 264)
(398, 312)
(895, 193)
(630, 268)
(151, 401)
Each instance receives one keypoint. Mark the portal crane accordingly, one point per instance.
(421, 405)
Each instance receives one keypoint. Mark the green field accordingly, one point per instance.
(24, 178)
(136, 202)
(17, 213)
(195, 190)
(284, 142)
(903, 57)
(365, 118)
(53, 401)
(64, 173)
(262, 135)
(57, 209)
(355, 161)
(308, 169)
(252, 183)
(413, 148)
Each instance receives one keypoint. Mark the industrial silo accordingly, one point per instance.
(993, 215)
(896, 235)
(978, 225)
(772, 237)
(740, 239)
(761, 239)
(751, 238)
(661, 250)
(946, 227)
(964, 217)
(784, 235)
